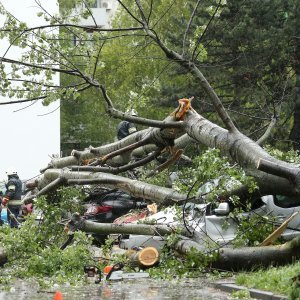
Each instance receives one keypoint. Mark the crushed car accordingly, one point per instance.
(208, 223)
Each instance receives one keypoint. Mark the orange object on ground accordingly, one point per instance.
(107, 269)
(58, 296)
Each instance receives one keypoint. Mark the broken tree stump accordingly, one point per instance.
(143, 258)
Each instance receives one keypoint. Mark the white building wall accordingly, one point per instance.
(99, 19)
(102, 11)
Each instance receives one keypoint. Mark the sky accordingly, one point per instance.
(30, 135)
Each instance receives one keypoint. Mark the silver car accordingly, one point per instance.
(209, 224)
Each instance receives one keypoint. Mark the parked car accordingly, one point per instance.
(208, 222)
(107, 205)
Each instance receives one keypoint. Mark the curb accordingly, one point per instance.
(230, 287)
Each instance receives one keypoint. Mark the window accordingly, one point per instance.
(104, 4)
(94, 4)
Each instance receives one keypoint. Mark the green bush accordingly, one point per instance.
(34, 250)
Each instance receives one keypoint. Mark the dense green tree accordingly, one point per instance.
(260, 50)
(87, 63)
(142, 34)
(246, 49)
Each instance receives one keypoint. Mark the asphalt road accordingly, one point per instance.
(133, 289)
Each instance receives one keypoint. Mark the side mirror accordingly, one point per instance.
(223, 209)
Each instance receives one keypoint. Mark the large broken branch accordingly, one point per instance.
(256, 257)
(277, 232)
(77, 222)
(117, 170)
(246, 153)
(272, 175)
(248, 258)
(137, 120)
(139, 189)
(289, 172)
(233, 259)
(156, 136)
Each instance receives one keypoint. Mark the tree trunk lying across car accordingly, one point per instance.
(270, 174)
(101, 165)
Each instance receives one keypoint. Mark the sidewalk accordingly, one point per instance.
(230, 286)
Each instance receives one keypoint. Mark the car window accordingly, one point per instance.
(286, 202)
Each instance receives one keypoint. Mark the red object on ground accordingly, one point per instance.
(58, 296)
(107, 269)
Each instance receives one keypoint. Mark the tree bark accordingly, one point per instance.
(145, 258)
(159, 137)
(256, 257)
(139, 189)
(246, 153)
(226, 258)
(78, 222)
(249, 258)
(234, 144)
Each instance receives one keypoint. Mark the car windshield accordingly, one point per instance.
(286, 202)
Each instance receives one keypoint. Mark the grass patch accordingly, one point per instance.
(278, 280)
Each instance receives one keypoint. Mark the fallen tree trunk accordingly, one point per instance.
(248, 258)
(232, 259)
(273, 177)
(138, 189)
(77, 157)
(143, 258)
(77, 222)
(256, 257)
